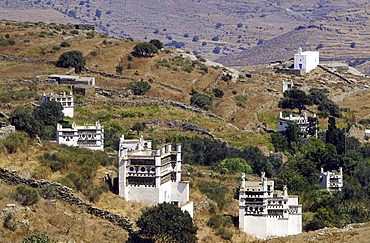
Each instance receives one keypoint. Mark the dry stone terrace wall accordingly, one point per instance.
(21, 59)
(66, 194)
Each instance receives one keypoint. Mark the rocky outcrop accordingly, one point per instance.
(66, 194)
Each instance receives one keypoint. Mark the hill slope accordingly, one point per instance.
(232, 26)
(341, 36)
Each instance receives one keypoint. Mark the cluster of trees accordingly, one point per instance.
(208, 152)
(298, 99)
(148, 48)
(40, 121)
(331, 150)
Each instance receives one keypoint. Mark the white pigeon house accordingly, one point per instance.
(307, 60)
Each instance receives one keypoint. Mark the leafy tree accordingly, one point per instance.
(232, 166)
(318, 95)
(331, 107)
(202, 101)
(140, 87)
(167, 223)
(156, 43)
(138, 127)
(335, 136)
(49, 113)
(24, 121)
(145, 49)
(279, 141)
(218, 92)
(72, 59)
(295, 98)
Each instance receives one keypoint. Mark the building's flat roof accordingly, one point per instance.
(63, 76)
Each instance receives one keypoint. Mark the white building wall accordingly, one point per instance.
(307, 60)
(68, 111)
(276, 227)
(256, 226)
(143, 194)
(189, 207)
(295, 224)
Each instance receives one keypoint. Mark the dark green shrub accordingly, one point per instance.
(314, 224)
(74, 32)
(140, 87)
(187, 68)
(202, 101)
(65, 44)
(215, 192)
(218, 92)
(217, 221)
(94, 53)
(25, 195)
(204, 68)
(234, 92)
(10, 222)
(224, 233)
(48, 191)
(36, 238)
(119, 69)
(240, 100)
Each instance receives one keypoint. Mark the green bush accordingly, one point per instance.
(204, 68)
(74, 32)
(10, 222)
(215, 192)
(218, 92)
(314, 224)
(140, 87)
(48, 191)
(202, 101)
(36, 238)
(232, 166)
(217, 221)
(224, 233)
(65, 44)
(187, 68)
(240, 100)
(25, 195)
(94, 53)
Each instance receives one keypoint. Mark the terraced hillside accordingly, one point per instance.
(212, 28)
(339, 37)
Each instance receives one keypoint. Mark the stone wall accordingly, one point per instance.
(21, 59)
(66, 194)
(297, 72)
